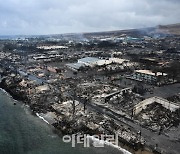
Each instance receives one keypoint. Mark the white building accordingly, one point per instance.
(89, 61)
(149, 76)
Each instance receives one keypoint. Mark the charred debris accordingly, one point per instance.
(100, 84)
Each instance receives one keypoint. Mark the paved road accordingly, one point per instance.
(165, 91)
(166, 144)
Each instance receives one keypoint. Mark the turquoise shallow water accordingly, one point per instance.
(23, 133)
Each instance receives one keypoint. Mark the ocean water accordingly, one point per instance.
(23, 133)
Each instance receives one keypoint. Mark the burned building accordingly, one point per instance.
(157, 113)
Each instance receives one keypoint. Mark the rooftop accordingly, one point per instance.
(149, 72)
(75, 65)
(89, 59)
(118, 60)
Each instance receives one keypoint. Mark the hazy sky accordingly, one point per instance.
(66, 16)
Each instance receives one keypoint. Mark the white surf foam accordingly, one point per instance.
(93, 139)
(42, 118)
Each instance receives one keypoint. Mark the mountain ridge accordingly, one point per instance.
(171, 29)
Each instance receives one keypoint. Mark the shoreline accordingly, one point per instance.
(55, 130)
(42, 118)
(37, 108)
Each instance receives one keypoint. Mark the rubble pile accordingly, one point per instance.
(158, 118)
(12, 85)
(175, 98)
(125, 102)
(92, 123)
(125, 134)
